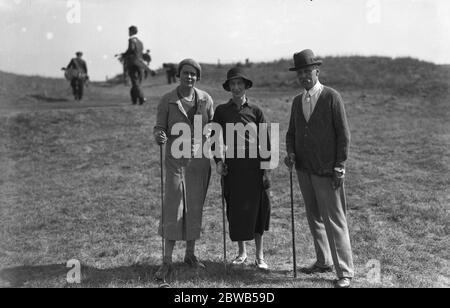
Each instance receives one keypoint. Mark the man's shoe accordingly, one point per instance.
(343, 283)
(142, 101)
(193, 261)
(314, 269)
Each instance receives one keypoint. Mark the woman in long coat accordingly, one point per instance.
(246, 184)
(187, 179)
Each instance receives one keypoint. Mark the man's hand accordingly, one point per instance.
(160, 137)
(338, 179)
(289, 160)
(221, 168)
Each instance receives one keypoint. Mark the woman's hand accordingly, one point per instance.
(290, 160)
(221, 168)
(160, 137)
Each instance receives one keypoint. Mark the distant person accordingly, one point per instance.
(186, 179)
(122, 61)
(248, 63)
(317, 141)
(245, 183)
(171, 72)
(147, 59)
(136, 67)
(77, 73)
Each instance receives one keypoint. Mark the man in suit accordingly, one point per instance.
(136, 67)
(77, 73)
(317, 144)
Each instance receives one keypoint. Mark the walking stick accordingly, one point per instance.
(222, 184)
(164, 284)
(293, 226)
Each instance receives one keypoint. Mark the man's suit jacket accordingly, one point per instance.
(134, 54)
(322, 143)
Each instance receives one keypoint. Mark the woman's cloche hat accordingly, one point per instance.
(234, 73)
(192, 63)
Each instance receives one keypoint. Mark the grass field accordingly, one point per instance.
(82, 182)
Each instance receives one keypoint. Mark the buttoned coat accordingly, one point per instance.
(187, 180)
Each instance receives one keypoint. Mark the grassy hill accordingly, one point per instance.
(78, 181)
(401, 75)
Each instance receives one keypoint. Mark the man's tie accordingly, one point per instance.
(308, 106)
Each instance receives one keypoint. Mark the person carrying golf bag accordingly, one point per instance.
(77, 73)
(187, 179)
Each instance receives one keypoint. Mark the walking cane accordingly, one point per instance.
(164, 284)
(293, 226)
(222, 183)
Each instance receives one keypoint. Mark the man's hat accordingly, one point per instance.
(234, 73)
(79, 53)
(192, 63)
(304, 59)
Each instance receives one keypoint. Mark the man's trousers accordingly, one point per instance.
(326, 214)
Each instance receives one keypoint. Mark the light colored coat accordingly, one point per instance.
(187, 180)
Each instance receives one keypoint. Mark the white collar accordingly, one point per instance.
(133, 36)
(314, 90)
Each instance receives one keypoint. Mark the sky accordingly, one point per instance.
(38, 37)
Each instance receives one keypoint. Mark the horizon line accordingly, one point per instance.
(231, 63)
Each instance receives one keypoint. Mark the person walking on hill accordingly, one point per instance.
(147, 59)
(171, 72)
(187, 178)
(136, 67)
(317, 141)
(77, 72)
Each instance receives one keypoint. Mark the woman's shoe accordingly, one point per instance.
(163, 271)
(192, 261)
(239, 260)
(261, 264)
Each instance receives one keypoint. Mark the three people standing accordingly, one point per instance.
(317, 144)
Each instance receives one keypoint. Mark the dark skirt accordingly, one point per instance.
(248, 204)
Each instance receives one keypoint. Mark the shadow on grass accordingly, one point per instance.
(19, 276)
(37, 275)
(48, 99)
(143, 275)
